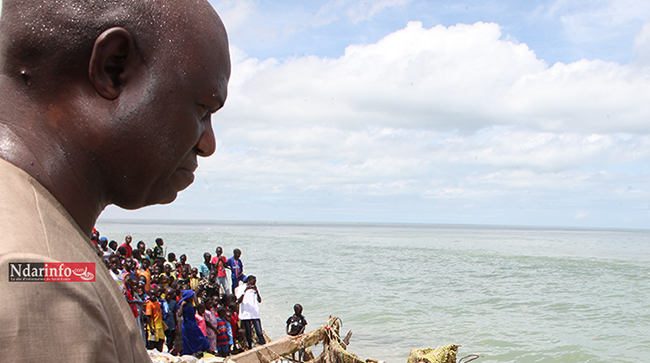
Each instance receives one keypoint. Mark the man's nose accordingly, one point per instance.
(207, 144)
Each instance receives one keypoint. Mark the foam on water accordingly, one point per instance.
(509, 294)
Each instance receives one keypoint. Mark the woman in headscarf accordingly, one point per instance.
(193, 339)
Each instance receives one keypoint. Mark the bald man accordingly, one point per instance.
(102, 102)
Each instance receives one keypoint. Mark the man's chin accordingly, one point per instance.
(151, 200)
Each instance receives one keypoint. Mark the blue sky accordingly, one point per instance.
(477, 112)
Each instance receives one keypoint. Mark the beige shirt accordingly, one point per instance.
(56, 321)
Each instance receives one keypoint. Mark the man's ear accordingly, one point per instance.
(113, 62)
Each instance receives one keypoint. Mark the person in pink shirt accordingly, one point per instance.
(200, 321)
(221, 262)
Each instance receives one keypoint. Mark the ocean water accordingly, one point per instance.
(509, 294)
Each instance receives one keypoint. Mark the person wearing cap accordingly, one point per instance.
(105, 251)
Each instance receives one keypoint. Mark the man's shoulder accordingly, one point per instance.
(31, 219)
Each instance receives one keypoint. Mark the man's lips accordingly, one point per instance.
(189, 166)
(186, 170)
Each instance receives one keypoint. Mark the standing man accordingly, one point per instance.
(127, 244)
(102, 102)
(249, 310)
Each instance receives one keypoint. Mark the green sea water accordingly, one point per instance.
(509, 294)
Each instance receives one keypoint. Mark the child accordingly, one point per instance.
(220, 262)
(237, 267)
(171, 261)
(184, 279)
(223, 338)
(234, 321)
(158, 253)
(204, 269)
(211, 324)
(200, 321)
(194, 279)
(182, 263)
(155, 322)
(296, 325)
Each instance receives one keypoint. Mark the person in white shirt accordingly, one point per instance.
(248, 297)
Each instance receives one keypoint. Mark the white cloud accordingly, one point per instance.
(463, 77)
(448, 124)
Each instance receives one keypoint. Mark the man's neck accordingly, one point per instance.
(30, 140)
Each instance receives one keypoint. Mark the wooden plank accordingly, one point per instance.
(278, 348)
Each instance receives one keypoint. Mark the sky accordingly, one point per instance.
(532, 113)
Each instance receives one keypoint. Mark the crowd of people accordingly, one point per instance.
(189, 309)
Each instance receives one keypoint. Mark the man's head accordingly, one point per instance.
(142, 247)
(236, 253)
(207, 257)
(251, 280)
(297, 309)
(128, 240)
(219, 251)
(160, 242)
(119, 91)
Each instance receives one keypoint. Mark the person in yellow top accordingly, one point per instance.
(155, 325)
(146, 272)
(194, 279)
